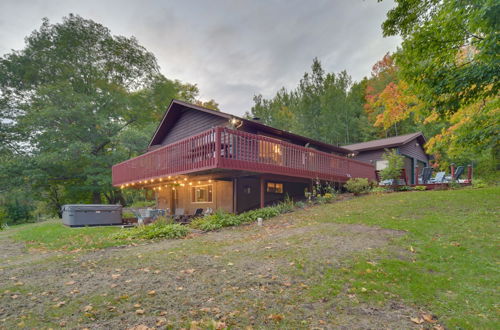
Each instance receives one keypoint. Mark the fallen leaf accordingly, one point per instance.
(429, 318)
(59, 304)
(438, 327)
(364, 289)
(161, 321)
(140, 312)
(417, 320)
(276, 317)
(152, 292)
(137, 305)
(115, 276)
(88, 308)
(70, 283)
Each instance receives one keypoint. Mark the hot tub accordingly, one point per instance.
(79, 215)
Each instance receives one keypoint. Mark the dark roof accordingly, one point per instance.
(394, 141)
(177, 106)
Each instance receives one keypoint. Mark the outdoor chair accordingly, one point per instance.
(439, 178)
(180, 217)
(426, 175)
(208, 212)
(458, 172)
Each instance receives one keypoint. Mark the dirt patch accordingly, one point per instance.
(241, 276)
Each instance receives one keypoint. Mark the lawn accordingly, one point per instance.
(452, 237)
(377, 261)
(53, 235)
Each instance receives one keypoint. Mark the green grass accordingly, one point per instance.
(451, 262)
(53, 235)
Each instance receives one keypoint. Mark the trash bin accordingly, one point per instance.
(79, 215)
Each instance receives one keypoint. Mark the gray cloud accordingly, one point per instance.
(231, 49)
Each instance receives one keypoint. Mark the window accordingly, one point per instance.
(202, 194)
(276, 188)
(381, 164)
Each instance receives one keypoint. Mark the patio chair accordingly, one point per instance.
(198, 213)
(439, 178)
(426, 175)
(458, 172)
(208, 211)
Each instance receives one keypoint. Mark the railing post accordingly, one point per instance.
(452, 171)
(469, 173)
(217, 145)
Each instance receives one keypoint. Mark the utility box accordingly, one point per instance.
(79, 215)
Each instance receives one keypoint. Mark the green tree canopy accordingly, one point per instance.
(76, 100)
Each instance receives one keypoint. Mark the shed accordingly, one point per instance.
(411, 146)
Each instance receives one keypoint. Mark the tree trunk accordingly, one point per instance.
(96, 197)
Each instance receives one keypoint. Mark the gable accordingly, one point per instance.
(414, 149)
(188, 123)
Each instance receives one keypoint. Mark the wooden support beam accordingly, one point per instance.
(262, 192)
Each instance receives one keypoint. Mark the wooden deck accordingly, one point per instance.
(225, 148)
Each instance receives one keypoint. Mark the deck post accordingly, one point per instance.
(469, 173)
(416, 175)
(452, 170)
(262, 192)
(218, 146)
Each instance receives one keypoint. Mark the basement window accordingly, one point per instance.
(202, 194)
(276, 188)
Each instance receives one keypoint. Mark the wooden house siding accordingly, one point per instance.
(190, 123)
(413, 150)
(370, 156)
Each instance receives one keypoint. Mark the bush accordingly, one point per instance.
(378, 190)
(395, 163)
(404, 188)
(158, 229)
(142, 204)
(300, 204)
(479, 183)
(223, 219)
(420, 188)
(357, 185)
(3, 218)
(128, 214)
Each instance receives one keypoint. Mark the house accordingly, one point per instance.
(411, 146)
(201, 158)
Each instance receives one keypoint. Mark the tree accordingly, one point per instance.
(70, 101)
(395, 163)
(324, 106)
(450, 50)
(449, 59)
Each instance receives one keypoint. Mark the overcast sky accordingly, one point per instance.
(231, 49)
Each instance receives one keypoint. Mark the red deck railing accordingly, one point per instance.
(230, 149)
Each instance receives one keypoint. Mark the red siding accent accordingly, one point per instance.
(231, 149)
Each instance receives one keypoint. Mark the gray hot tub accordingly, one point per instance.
(78, 215)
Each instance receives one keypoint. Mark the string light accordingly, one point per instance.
(185, 179)
(169, 177)
(190, 183)
(210, 181)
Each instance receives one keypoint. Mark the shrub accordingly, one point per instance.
(128, 214)
(395, 163)
(158, 229)
(286, 206)
(142, 204)
(378, 190)
(300, 204)
(3, 218)
(420, 188)
(223, 219)
(478, 183)
(357, 185)
(404, 188)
